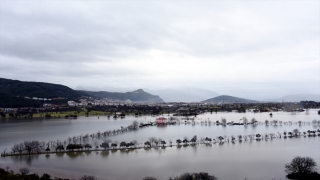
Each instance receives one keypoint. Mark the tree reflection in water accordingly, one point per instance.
(25, 159)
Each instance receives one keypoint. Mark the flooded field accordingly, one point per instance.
(254, 160)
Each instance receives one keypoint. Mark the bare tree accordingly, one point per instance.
(194, 139)
(24, 171)
(296, 132)
(18, 148)
(147, 143)
(163, 143)
(223, 121)
(196, 176)
(85, 177)
(300, 164)
(134, 143)
(245, 120)
(178, 141)
(135, 125)
(149, 178)
(153, 141)
(220, 139)
(275, 122)
(279, 134)
(253, 121)
(33, 146)
(96, 144)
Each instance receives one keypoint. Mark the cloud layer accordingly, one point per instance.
(263, 49)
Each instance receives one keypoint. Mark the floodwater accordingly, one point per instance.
(251, 160)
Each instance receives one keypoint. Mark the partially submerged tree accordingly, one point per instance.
(33, 146)
(296, 132)
(18, 148)
(87, 146)
(104, 145)
(72, 147)
(147, 143)
(178, 141)
(194, 139)
(60, 147)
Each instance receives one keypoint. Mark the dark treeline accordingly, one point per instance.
(7, 100)
(310, 104)
(29, 112)
(180, 109)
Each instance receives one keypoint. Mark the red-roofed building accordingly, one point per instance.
(161, 120)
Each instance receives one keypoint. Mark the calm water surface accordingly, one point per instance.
(254, 160)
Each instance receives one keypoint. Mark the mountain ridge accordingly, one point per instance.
(15, 93)
(229, 99)
(138, 95)
(296, 98)
(36, 89)
(187, 94)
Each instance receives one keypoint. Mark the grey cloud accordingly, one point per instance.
(74, 36)
(120, 30)
(71, 42)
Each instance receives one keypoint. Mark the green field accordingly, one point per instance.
(63, 114)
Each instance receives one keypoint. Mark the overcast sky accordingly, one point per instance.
(244, 48)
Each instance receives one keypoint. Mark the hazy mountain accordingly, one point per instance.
(36, 89)
(137, 95)
(229, 99)
(104, 88)
(183, 95)
(297, 98)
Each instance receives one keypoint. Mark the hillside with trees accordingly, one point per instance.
(138, 95)
(15, 93)
(37, 89)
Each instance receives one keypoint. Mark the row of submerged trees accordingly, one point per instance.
(250, 137)
(253, 121)
(72, 143)
(82, 141)
(58, 146)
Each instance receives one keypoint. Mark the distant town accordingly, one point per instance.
(96, 106)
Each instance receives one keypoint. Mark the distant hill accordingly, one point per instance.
(183, 94)
(37, 89)
(229, 99)
(137, 95)
(297, 98)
